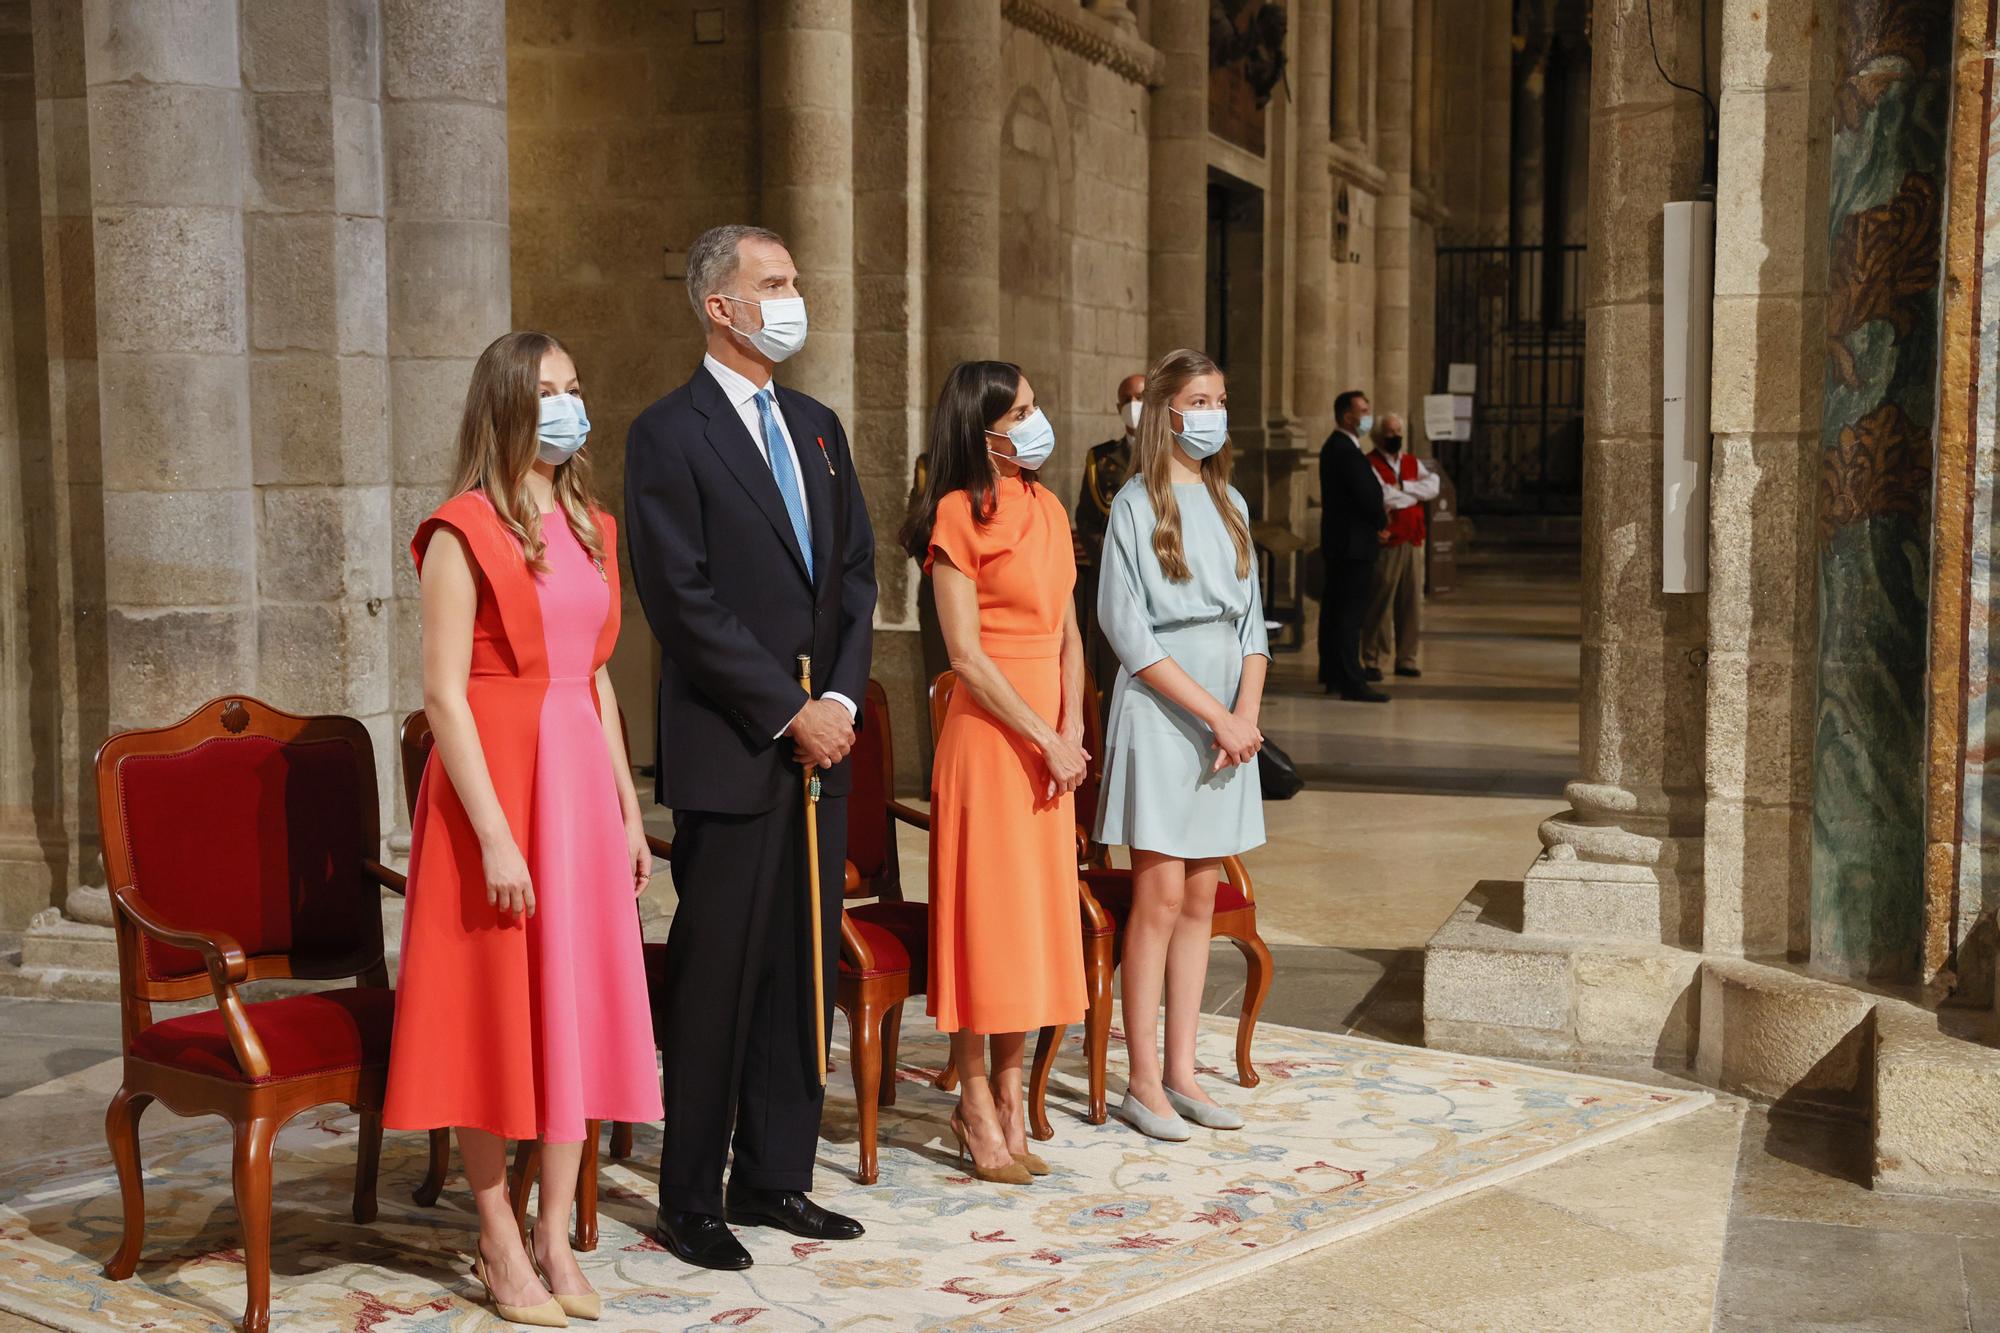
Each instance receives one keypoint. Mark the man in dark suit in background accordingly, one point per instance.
(750, 546)
(1104, 473)
(1351, 521)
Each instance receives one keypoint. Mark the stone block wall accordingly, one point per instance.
(625, 140)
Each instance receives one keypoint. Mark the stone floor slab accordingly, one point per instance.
(1812, 1276)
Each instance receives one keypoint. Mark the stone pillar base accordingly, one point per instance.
(1598, 900)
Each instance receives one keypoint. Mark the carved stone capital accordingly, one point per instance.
(1098, 35)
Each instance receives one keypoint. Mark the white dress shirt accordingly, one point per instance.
(742, 396)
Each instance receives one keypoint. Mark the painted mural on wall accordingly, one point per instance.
(1884, 175)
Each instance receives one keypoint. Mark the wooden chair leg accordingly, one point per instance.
(121, 1130)
(621, 1140)
(251, 1170)
(586, 1189)
(1098, 971)
(864, 1028)
(947, 1079)
(526, 1171)
(367, 1161)
(427, 1193)
(892, 1034)
(1038, 1082)
(1256, 986)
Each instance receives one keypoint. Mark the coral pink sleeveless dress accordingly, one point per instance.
(526, 1027)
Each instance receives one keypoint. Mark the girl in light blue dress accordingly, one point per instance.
(1179, 604)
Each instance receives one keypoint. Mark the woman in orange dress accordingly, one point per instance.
(521, 1007)
(1006, 928)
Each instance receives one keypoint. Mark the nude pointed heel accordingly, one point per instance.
(589, 1305)
(1011, 1174)
(549, 1314)
(1034, 1163)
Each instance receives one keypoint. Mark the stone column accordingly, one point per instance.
(1768, 366)
(180, 543)
(319, 380)
(806, 103)
(1496, 95)
(891, 399)
(1347, 57)
(1177, 263)
(963, 105)
(1423, 123)
(65, 558)
(444, 150)
(1874, 486)
(32, 788)
(1313, 389)
(1623, 863)
(1390, 391)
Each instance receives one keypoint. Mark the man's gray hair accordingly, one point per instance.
(714, 259)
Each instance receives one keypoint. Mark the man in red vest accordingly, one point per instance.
(1399, 575)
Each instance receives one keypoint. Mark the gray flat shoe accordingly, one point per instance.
(1205, 1114)
(1169, 1128)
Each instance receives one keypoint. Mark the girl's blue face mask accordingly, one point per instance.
(1033, 440)
(1203, 432)
(563, 428)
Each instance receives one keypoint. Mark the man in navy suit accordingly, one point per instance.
(750, 547)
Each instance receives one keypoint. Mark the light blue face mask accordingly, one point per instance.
(563, 429)
(1033, 440)
(1366, 424)
(1203, 431)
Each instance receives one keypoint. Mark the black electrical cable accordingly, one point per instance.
(1709, 115)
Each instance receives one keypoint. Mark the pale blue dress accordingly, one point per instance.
(1159, 792)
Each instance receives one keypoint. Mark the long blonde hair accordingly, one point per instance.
(1169, 375)
(497, 444)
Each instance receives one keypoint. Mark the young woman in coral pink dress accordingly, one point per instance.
(521, 1007)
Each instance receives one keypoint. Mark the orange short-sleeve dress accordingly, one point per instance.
(1006, 920)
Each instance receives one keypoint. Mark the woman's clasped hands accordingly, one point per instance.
(1236, 741)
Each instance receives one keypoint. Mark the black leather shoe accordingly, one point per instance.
(1411, 672)
(1374, 673)
(1364, 696)
(788, 1210)
(701, 1239)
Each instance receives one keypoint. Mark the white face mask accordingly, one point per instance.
(1130, 414)
(784, 330)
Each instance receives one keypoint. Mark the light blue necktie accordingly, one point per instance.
(787, 476)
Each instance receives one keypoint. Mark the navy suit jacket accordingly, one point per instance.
(725, 589)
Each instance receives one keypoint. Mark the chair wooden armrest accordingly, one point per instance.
(392, 880)
(910, 815)
(1093, 911)
(1238, 874)
(853, 947)
(227, 966)
(660, 847)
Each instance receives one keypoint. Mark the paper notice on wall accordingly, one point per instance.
(1461, 415)
(1462, 377)
(1440, 417)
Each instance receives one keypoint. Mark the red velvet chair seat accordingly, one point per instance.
(898, 934)
(319, 1033)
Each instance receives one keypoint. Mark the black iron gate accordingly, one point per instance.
(1516, 314)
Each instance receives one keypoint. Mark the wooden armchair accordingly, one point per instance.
(1107, 905)
(416, 744)
(240, 846)
(884, 940)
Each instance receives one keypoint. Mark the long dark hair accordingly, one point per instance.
(975, 395)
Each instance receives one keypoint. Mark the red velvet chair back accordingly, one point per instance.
(871, 836)
(250, 821)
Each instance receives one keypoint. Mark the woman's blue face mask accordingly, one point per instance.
(562, 430)
(1033, 440)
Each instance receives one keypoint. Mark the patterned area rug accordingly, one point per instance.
(1345, 1134)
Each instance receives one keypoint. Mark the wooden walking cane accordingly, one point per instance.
(812, 890)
